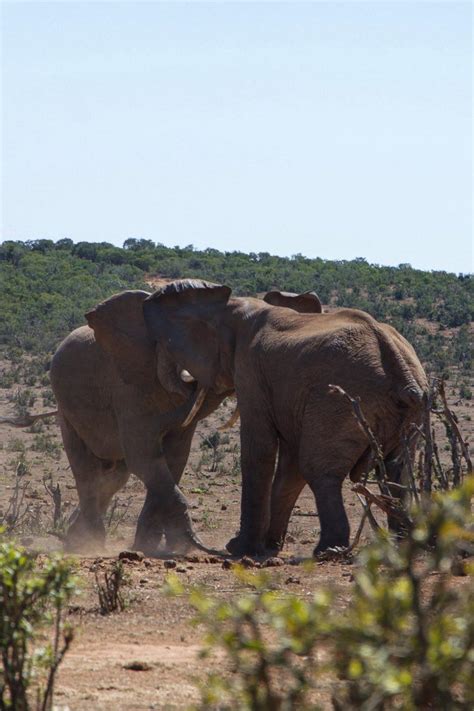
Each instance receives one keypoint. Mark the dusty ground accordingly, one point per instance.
(154, 630)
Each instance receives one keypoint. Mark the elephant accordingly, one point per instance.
(306, 303)
(116, 417)
(281, 364)
(122, 408)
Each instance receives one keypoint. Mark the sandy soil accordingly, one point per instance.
(154, 634)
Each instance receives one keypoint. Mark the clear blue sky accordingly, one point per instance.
(338, 130)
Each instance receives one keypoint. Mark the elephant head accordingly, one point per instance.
(186, 320)
(306, 303)
(120, 330)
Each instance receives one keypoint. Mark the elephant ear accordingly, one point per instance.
(120, 329)
(305, 303)
(183, 318)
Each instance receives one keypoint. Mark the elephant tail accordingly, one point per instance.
(400, 362)
(363, 465)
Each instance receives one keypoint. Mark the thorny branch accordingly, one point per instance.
(420, 479)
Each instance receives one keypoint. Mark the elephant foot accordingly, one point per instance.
(240, 546)
(85, 537)
(180, 537)
(177, 543)
(147, 543)
(148, 538)
(337, 544)
(273, 547)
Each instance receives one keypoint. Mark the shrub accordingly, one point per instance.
(44, 442)
(405, 641)
(109, 590)
(465, 392)
(212, 443)
(31, 604)
(49, 286)
(23, 399)
(270, 641)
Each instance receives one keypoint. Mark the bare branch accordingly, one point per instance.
(26, 420)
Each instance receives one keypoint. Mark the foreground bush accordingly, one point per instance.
(406, 640)
(33, 638)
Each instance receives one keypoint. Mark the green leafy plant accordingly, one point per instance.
(269, 640)
(32, 601)
(406, 640)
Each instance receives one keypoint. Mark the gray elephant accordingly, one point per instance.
(306, 303)
(281, 365)
(124, 408)
(115, 418)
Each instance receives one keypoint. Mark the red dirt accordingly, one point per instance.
(154, 631)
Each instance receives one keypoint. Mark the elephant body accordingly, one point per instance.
(281, 365)
(115, 419)
(294, 359)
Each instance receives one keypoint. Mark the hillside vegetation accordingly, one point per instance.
(325, 635)
(47, 286)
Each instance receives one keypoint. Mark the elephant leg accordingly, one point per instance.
(97, 481)
(176, 447)
(152, 519)
(287, 486)
(335, 531)
(258, 454)
(330, 447)
(165, 507)
(152, 524)
(114, 477)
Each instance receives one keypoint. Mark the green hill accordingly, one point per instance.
(47, 286)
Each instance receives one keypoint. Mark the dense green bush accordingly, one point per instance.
(47, 286)
(45, 295)
(33, 639)
(407, 639)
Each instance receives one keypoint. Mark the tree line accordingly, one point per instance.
(47, 286)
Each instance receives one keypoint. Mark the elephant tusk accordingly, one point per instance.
(231, 421)
(200, 397)
(186, 377)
